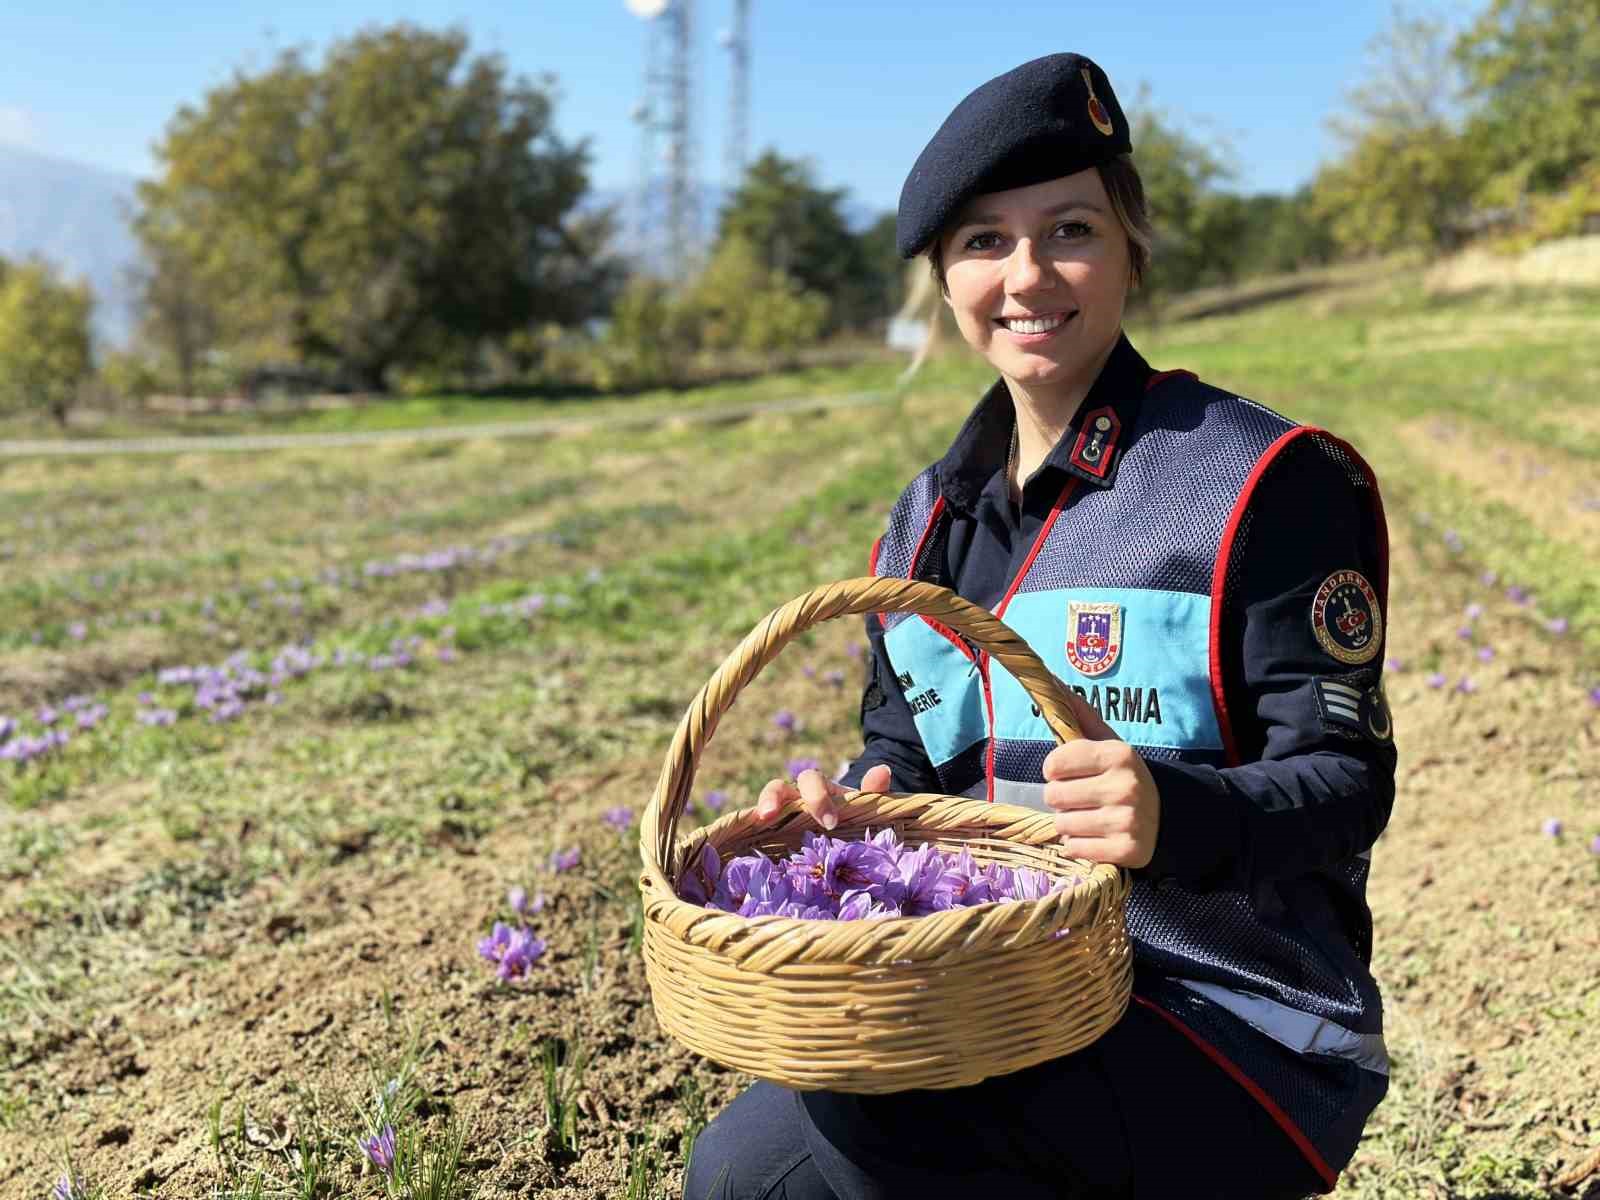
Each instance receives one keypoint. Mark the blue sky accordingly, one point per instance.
(857, 87)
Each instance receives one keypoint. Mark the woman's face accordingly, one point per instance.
(1037, 278)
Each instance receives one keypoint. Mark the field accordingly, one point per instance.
(328, 705)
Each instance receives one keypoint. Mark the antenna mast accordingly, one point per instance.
(666, 109)
(737, 41)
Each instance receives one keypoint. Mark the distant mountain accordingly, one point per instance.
(76, 217)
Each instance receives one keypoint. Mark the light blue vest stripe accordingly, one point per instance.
(945, 694)
(1164, 649)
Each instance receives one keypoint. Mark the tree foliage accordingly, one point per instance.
(359, 213)
(739, 303)
(799, 230)
(45, 350)
(1534, 66)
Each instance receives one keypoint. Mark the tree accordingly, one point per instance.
(1406, 175)
(799, 229)
(176, 312)
(738, 303)
(44, 339)
(356, 213)
(1180, 177)
(1534, 70)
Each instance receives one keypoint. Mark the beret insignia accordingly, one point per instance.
(1346, 618)
(1097, 111)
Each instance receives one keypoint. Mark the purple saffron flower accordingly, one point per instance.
(1485, 653)
(699, 882)
(1452, 539)
(1489, 578)
(785, 720)
(517, 898)
(47, 715)
(1466, 686)
(922, 875)
(619, 817)
(562, 861)
(68, 1187)
(1516, 594)
(714, 800)
(446, 654)
(1474, 611)
(834, 679)
(523, 950)
(796, 765)
(77, 631)
(380, 1149)
(8, 726)
(1552, 827)
(1556, 625)
(1394, 664)
(1594, 696)
(1465, 633)
(1594, 844)
(1436, 679)
(854, 649)
(809, 671)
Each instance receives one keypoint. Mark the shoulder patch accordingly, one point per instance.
(1354, 704)
(1346, 618)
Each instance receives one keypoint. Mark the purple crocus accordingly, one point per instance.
(1594, 844)
(380, 1150)
(1485, 653)
(619, 817)
(8, 726)
(699, 882)
(562, 861)
(796, 765)
(714, 800)
(1436, 679)
(1552, 827)
(69, 1187)
(785, 720)
(1466, 686)
(1394, 664)
(834, 679)
(1556, 625)
(1474, 611)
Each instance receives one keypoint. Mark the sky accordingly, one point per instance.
(855, 86)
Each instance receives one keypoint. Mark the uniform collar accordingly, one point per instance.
(1091, 448)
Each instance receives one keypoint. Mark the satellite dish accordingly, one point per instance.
(649, 10)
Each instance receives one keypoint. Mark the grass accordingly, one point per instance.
(196, 856)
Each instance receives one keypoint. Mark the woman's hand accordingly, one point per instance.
(1107, 806)
(817, 793)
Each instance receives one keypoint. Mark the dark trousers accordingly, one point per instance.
(1140, 1114)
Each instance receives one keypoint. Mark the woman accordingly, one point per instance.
(1208, 578)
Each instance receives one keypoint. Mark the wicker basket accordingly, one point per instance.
(887, 1004)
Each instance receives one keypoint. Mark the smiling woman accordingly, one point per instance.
(1209, 580)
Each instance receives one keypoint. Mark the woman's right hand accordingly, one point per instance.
(817, 793)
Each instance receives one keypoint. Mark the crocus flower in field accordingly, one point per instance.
(1436, 679)
(380, 1150)
(785, 720)
(517, 898)
(77, 631)
(1556, 625)
(619, 817)
(68, 1187)
(809, 671)
(1552, 827)
(1474, 611)
(834, 679)
(1453, 540)
(1394, 664)
(854, 649)
(8, 726)
(1594, 844)
(1465, 633)
(796, 765)
(714, 800)
(564, 860)
(1466, 686)
(1485, 653)
(1516, 594)
(1594, 696)
(47, 715)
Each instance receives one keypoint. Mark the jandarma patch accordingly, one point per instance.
(1353, 705)
(1094, 636)
(1346, 618)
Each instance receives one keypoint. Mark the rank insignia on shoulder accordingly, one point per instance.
(1094, 636)
(1353, 704)
(1346, 618)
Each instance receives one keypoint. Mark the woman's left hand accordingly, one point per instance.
(1107, 806)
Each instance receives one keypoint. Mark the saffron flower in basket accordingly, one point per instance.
(831, 879)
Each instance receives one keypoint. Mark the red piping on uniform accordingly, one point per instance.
(1219, 574)
(1161, 375)
(933, 519)
(1016, 581)
(872, 559)
(1284, 1121)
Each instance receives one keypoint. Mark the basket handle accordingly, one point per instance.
(657, 836)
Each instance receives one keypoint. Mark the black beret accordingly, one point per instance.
(1051, 117)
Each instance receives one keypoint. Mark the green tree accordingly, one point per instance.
(1406, 175)
(359, 212)
(738, 303)
(44, 339)
(1533, 68)
(799, 229)
(1180, 177)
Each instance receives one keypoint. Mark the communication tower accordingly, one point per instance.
(737, 42)
(667, 200)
